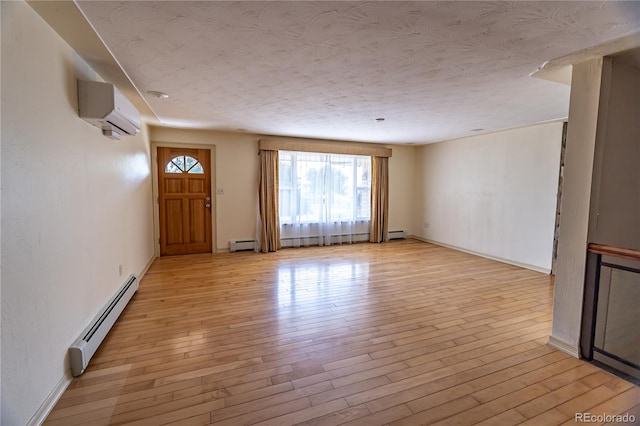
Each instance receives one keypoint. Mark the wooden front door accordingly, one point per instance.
(184, 196)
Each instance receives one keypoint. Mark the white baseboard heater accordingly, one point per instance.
(241, 245)
(397, 235)
(314, 240)
(86, 345)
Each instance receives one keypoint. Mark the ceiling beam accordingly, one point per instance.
(69, 22)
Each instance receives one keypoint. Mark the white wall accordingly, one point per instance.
(75, 206)
(493, 194)
(402, 177)
(236, 172)
(574, 217)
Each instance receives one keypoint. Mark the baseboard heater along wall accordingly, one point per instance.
(87, 343)
(245, 245)
(241, 245)
(397, 235)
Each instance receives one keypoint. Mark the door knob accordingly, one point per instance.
(208, 205)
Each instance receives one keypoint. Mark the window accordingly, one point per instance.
(184, 164)
(316, 189)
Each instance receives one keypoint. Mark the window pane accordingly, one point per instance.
(189, 162)
(318, 188)
(285, 206)
(179, 161)
(172, 168)
(285, 170)
(182, 163)
(363, 204)
(310, 185)
(364, 169)
(197, 169)
(341, 190)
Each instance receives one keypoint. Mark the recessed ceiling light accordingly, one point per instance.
(159, 95)
(379, 120)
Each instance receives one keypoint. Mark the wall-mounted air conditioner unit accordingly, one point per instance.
(102, 105)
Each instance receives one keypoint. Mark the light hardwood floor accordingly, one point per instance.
(404, 333)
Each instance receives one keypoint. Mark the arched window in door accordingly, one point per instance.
(184, 164)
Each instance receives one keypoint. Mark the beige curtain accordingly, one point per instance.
(379, 199)
(269, 226)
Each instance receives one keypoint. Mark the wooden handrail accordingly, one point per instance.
(614, 251)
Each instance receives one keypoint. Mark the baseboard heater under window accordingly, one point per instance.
(244, 245)
(314, 240)
(85, 346)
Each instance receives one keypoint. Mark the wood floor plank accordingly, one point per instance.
(633, 415)
(370, 334)
(481, 378)
(382, 418)
(554, 398)
(307, 413)
(508, 418)
(495, 407)
(338, 417)
(512, 385)
(620, 404)
(438, 413)
(549, 417)
(199, 420)
(591, 398)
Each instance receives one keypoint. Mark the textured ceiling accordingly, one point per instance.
(433, 70)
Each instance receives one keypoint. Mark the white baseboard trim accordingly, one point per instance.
(563, 346)
(48, 404)
(487, 256)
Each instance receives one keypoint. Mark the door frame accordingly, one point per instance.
(155, 192)
(556, 225)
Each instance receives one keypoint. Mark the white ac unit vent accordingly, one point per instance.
(102, 105)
